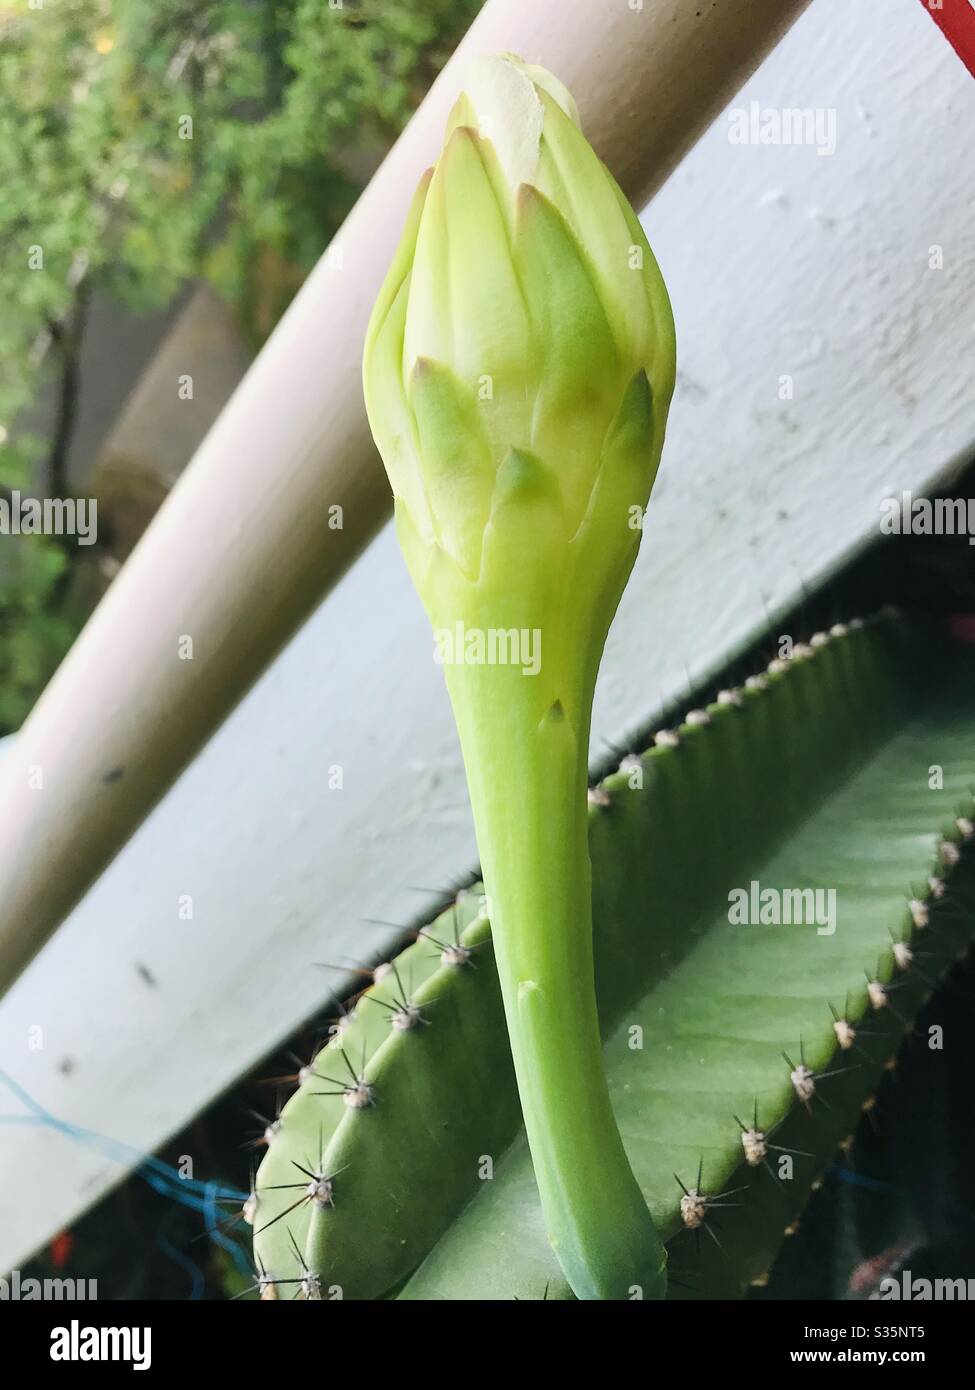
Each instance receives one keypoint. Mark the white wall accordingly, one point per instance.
(780, 262)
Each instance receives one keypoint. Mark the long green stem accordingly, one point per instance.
(528, 779)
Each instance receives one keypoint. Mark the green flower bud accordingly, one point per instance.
(518, 370)
(524, 311)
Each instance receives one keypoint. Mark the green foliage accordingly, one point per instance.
(817, 780)
(288, 99)
(34, 631)
(100, 167)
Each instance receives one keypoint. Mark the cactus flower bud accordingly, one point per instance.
(524, 316)
(518, 370)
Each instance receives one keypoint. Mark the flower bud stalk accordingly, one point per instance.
(518, 370)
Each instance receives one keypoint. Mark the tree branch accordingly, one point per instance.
(67, 336)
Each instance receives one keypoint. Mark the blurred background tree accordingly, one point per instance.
(148, 143)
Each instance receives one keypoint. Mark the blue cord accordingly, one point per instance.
(161, 1177)
(862, 1180)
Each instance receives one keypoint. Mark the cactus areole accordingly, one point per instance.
(518, 369)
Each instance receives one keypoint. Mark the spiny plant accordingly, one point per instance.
(740, 1057)
(518, 370)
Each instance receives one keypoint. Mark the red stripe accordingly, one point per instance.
(956, 20)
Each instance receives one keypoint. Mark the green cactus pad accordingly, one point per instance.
(817, 779)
